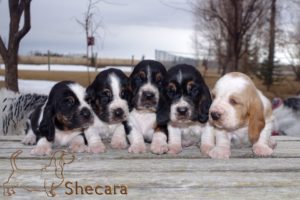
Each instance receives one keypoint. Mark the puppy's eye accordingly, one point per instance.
(140, 77)
(69, 101)
(194, 91)
(233, 101)
(159, 79)
(106, 92)
(105, 96)
(123, 93)
(172, 91)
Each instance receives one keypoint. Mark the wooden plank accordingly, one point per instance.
(288, 149)
(273, 193)
(188, 175)
(163, 165)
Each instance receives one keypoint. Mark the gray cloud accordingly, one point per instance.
(131, 27)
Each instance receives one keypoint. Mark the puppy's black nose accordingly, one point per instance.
(86, 113)
(148, 95)
(215, 115)
(118, 112)
(182, 110)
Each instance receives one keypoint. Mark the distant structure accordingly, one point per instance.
(170, 59)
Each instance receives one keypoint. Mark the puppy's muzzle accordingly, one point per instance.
(182, 113)
(148, 99)
(148, 95)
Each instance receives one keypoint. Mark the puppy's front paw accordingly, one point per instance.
(29, 139)
(220, 153)
(97, 147)
(206, 148)
(174, 148)
(77, 147)
(137, 148)
(262, 150)
(159, 144)
(187, 143)
(119, 143)
(272, 143)
(41, 150)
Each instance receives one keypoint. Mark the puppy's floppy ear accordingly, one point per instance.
(204, 104)
(163, 111)
(256, 119)
(47, 127)
(129, 97)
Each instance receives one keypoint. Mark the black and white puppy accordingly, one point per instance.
(287, 116)
(109, 95)
(189, 100)
(147, 84)
(60, 120)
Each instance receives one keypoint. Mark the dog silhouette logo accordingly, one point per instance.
(51, 175)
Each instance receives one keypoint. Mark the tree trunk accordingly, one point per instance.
(270, 67)
(11, 72)
(17, 9)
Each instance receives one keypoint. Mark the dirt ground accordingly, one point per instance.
(287, 87)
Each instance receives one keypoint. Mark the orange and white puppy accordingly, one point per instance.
(240, 112)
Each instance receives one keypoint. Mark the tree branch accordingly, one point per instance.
(27, 24)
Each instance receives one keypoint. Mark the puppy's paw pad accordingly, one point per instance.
(96, 148)
(262, 150)
(137, 148)
(206, 148)
(220, 153)
(175, 149)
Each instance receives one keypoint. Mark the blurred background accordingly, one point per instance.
(77, 39)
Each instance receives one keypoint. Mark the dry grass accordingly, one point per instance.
(286, 88)
(100, 62)
(80, 77)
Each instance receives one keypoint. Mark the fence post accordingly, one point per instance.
(48, 60)
(132, 60)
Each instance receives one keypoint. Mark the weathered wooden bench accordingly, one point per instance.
(188, 175)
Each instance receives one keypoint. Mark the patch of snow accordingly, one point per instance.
(34, 86)
(75, 68)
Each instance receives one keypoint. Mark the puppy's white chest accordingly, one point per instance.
(63, 137)
(143, 122)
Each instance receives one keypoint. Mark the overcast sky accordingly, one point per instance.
(131, 27)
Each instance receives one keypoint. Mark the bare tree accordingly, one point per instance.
(229, 24)
(90, 27)
(291, 43)
(292, 50)
(17, 9)
(268, 79)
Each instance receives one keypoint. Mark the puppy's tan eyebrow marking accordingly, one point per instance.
(190, 84)
(172, 86)
(158, 76)
(142, 74)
